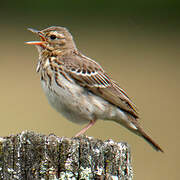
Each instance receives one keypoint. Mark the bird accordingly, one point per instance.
(79, 88)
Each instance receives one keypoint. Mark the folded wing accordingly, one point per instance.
(90, 75)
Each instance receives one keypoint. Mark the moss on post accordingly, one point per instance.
(34, 156)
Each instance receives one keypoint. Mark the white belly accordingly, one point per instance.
(69, 100)
(77, 104)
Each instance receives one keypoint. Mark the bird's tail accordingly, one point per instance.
(149, 140)
(133, 125)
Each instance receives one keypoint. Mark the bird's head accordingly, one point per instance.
(53, 38)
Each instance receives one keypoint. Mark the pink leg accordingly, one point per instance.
(91, 123)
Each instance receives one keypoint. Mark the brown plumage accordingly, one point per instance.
(79, 88)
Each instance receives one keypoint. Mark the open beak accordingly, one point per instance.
(42, 37)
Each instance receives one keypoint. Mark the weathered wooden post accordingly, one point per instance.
(31, 156)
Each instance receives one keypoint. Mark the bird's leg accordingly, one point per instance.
(91, 123)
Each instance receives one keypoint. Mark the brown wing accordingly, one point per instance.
(90, 74)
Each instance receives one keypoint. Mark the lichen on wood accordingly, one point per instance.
(32, 156)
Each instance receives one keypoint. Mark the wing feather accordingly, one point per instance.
(90, 74)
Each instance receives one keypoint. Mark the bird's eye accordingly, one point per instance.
(52, 37)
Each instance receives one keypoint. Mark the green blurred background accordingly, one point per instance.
(137, 42)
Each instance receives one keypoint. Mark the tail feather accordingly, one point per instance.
(133, 126)
(150, 141)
